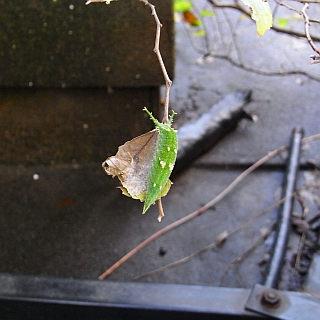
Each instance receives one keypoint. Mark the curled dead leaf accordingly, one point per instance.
(144, 164)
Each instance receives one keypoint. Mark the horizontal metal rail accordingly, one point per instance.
(39, 297)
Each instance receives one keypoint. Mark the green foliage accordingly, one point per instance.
(261, 13)
(199, 33)
(182, 5)
(144, 164)
(282, 22)
(207, 13)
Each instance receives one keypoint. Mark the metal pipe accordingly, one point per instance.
(284, 218)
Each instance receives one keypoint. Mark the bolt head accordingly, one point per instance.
(270, 298)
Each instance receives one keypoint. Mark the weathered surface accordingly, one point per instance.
(64, 44)
(73, 221)
(51, 126)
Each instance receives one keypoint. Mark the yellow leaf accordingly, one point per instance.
(261, 13)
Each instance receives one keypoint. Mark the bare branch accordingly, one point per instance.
(156, 51)
(305, 1)
(307, 24)
(247, 13)
(237, 5)
(91, 1)
(267, 73)
(226, 236)
(163, 68)
(287, 6)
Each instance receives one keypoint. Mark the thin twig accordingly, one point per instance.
(91, 1)
(218, 240)
(156, 50)
(240, 259)
(216, 243)
(265, 72)
(305, 212)
(162, 65)
(246, 12)
(294, 33)
(202, 209)
(299, 253)
(306, 25)
(311, 294)
(304, 1)
(177, 263)
(288, 7)
(237, 61)
(161, 212)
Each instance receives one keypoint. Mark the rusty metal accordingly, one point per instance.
(283, 305)
(270, 298)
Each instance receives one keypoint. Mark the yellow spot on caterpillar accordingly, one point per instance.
(175, 151)
(169, 148)
(162, 163)
(171, 166)
(154, 184)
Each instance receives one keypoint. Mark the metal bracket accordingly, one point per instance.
(284, 305)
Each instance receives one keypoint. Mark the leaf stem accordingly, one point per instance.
(161, 212)
(156, 50)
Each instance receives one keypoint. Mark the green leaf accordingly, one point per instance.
(261, 13)
(144, 164)
(182, 5)
(199, 33)
(282, 22)
(207, 13)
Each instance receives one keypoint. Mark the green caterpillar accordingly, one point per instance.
(163, 161)
(144, 164)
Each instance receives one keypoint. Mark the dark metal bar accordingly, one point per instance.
(39, 297)
(284, 219)
(283, 305)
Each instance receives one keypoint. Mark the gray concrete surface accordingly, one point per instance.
(73, 222)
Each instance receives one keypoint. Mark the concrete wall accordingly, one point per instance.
(57, 59)
(55, 43)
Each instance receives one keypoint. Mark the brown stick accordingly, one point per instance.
(193, 214)
(196, 213)
(156, 50)
(226, 235)
(307, 24)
